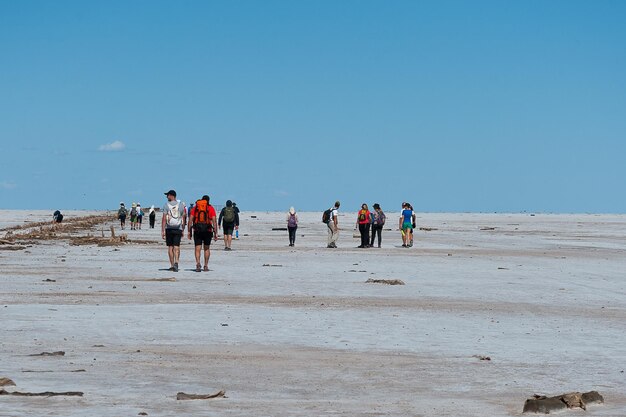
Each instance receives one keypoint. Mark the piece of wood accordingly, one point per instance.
(183, 396)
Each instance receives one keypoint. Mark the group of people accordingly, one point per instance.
(370, 221)
(136, 216)
(201, 223)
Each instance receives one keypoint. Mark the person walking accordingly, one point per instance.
(172, 226)
(229, 221)
(378, 221)
(203, 223)
(152, 217)
(413, 224)
(406, 224)
(236, 211)
(292, 225)
(121, 215)
(363, 220)
(333, 225)
(133, 216)
(139, 216)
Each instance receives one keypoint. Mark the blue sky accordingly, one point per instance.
(452, 105)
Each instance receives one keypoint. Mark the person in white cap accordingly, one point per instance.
(172, 225)
(152, 216)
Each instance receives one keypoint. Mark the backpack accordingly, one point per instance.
(121, 212)
(173, 217)
(201, 220)
(326, 216)
(380, 219)
(292, 221)
(133, 212)
(229, 215)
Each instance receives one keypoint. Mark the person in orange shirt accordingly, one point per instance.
(203, 222)
(363, 220)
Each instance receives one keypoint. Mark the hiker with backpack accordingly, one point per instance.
(203, 223)
(330, 218)
(172, 226)
(229, 221)
(363, 220)
(378, 221)
(121, 215)
(139, 216)
(292, 225)
(152, 217)
(133, 216)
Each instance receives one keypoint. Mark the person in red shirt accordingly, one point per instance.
(363, 223)
(203, 223)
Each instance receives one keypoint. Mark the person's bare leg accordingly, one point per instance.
(198, 248)
(207, 255)
(170, 253)
(176, 254)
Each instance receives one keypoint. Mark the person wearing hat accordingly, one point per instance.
(133, 216)
(152, 216)
(121, 215)
(139, 216)
(229, 220)
(172, 226)
(292, 225)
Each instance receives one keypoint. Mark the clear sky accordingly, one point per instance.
(452, 105)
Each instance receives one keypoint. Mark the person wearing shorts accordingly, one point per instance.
(172, 226)
(406, 224)
(229, 220)
(202, 235)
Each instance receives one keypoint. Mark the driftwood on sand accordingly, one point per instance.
(6, 381)
(385, 281)
(42, 394)
(183, 396)
(57, 353)
(540, 404)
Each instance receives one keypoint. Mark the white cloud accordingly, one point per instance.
(281, 193)
(113, 146)
(7, 185)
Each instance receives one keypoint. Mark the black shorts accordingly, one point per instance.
(173, 237)
(228, 228)
(122, 218)
(202, 237)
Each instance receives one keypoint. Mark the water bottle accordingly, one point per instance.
(237, 234)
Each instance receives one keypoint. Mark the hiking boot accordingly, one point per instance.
(175, 267)
(206, 268)
(198, 268)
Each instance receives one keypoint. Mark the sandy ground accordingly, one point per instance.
(543, 296)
